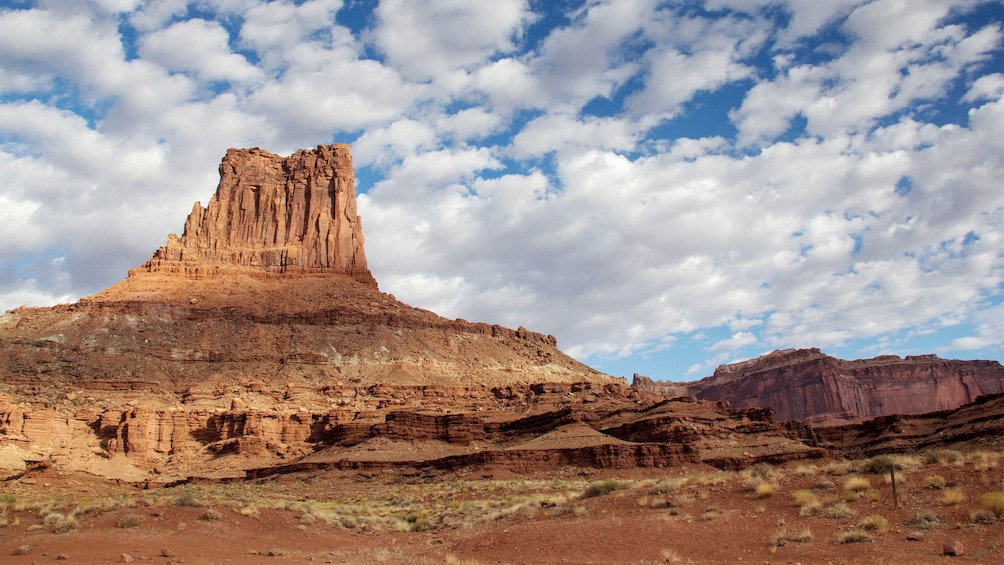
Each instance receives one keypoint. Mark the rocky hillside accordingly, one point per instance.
(264, 309)
(808, 386)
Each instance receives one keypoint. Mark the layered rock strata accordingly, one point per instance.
(270, 214)
(806, 385)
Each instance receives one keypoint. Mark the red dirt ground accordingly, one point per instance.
(712, 523)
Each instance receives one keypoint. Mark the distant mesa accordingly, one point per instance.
(809, 386)
(274, 215)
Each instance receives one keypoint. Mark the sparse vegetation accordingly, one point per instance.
(942, 457)
(603, 488)
(129, 521)
(857, 484)
(764, 490)
(953, 497)
(874, 523)
(840, 510)
(854, 536)
(925, 519)
(878, 465)
(993, 501)
(935, 482)
(210, 515)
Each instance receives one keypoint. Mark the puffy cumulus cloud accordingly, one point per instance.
(430, 40)
(592, 57)
(883, 71)
(695, 184)
(200, 47)
(273, 28)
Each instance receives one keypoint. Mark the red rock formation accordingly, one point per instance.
(807, 385)
(278, 215)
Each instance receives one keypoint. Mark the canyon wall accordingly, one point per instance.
(807, 385)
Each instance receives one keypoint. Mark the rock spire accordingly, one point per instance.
(278, 216)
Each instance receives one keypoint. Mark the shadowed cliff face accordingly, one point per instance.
(807, 385)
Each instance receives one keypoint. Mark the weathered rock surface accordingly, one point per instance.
(807, 385)
(275, 215)
(977, 426)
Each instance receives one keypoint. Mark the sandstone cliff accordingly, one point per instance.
(248, 339)
(807, 385)
(275, 215)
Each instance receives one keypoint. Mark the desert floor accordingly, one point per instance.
(804, 512)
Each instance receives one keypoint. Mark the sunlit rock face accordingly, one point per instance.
(809, 386)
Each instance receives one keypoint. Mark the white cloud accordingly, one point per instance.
(430, 39)
(499, 198)
(198, 46)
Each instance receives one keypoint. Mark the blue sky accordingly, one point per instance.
(663, 186)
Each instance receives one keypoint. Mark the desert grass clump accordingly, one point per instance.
(805, 470)
(187, 499)
(61, 523)
(935, 482)
(993, 501)
(874, 523)
(603, 488)
(667, 485)
(784, 537)
(840, 510)
(855, 536)
(942, 457)
(878, 465)
(984, 460)
(210, 516)
(670, 556)
(857, 484)
(983, 517)
(953, 497)
(807, 501)
(127, 521)
(764, 490)
(580, 512)
(925, 520)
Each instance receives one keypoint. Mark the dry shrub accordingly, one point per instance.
(670, 556)
(212, 515)
(783, 537)
(874, 523)
(942, 457)
(925, 519)
(764, 490)
(855, 536)
(129, 521)
(667, 485)
(993, 501)
(803, 497)
(982, 516)
(984, 460)
(878, 465)
(857, 484)
(840, 510)
(935, 482)
(953, 496)
(603, 488)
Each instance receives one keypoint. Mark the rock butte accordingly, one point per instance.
(259, 343)
(808, 386)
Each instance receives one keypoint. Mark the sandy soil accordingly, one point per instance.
(682, 515)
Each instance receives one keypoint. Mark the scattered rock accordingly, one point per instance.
(21, 550)
(166, 553)
(126, 558)
(915, 536)
(62, 557)
(953, 547)
(275, 552)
